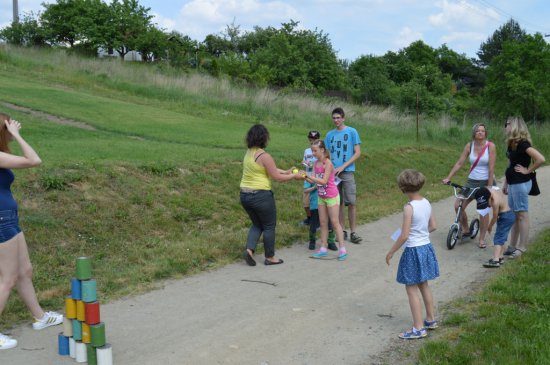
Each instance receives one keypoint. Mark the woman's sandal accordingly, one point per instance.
(482, 245)
(249, 259)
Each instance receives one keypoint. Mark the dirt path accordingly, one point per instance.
(302, 312)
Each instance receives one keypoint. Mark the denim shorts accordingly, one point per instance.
(518, 196)
(505, 222)
(9, 225)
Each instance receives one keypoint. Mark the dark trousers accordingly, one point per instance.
(313, 222)
(261, 209)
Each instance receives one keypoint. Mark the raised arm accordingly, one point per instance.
(29, 159)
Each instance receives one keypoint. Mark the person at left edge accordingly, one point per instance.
(15, 264)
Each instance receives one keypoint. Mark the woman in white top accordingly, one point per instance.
(482, 156)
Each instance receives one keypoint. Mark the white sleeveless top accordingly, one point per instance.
(419, 234)
(481, 171)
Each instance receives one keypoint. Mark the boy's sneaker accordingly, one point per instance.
(430, 325)
(312, 245)
(413, 334)
(517, 253)
(354, 238)
(49, 319)
(319, 254)
(332, 247)
(491, 263)
(6, 342)
(509, 251)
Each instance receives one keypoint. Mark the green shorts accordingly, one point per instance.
(329, 202)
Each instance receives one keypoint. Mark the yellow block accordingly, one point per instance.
(86, 337)
(70, 308)
(80, 311)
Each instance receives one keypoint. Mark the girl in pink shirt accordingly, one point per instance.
(329, 200)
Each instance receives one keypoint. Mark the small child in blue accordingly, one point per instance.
(314, 223)
(418, 263)
(503, 216)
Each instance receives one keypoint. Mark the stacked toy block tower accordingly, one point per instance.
(83, 336)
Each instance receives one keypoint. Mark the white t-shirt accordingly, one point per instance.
(419, 234)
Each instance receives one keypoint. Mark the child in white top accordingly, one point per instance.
(418, 263)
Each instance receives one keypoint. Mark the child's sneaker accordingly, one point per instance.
(430, 325)
(332, 247)
(517, 253)
(342, 256)
(491, 263)
(354, 238)
(509, 251)
(319, 254)
(312, 245)
(6, 342)
(49, 319)
(413, 334)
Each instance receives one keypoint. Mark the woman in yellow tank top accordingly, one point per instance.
(256, 195)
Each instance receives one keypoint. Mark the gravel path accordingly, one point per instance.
(302, 312)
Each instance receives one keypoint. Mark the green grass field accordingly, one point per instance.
(152, 191)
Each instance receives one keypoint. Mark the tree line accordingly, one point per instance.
(509, 77)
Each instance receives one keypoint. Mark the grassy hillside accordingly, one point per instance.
(150, 190)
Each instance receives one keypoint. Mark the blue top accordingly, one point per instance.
(341, 146)
(6, 198)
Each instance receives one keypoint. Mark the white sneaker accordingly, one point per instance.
(49, 319)
(6, 342)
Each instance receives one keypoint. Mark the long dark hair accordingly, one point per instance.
(5, 136)
(257, 136)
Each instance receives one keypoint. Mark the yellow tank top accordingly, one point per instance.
(254, 175)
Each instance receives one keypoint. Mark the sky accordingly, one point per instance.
(354, 27)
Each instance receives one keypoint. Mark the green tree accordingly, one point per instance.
(127, 21)
(299, 59)
(27, 32)
(180, 50)
(492, 47)
(63, 21)
(419, 53)
(152, 44)
(518, 81)
(369, 80)
(463, 70)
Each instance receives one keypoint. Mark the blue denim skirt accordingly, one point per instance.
(9, 225)
(417, 265)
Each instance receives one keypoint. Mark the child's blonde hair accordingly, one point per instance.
(410, 181)
(321, 144)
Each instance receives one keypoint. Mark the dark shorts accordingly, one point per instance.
(9, 225)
